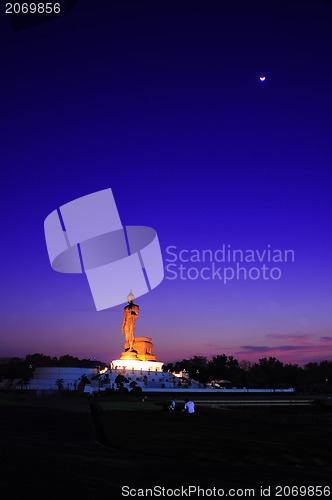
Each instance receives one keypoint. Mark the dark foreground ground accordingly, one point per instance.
(64, 447)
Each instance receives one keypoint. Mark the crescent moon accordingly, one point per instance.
(262, 78)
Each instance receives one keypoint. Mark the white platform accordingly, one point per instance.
(45, 378)
(136, 365)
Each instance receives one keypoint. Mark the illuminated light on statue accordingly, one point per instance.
(138, 354)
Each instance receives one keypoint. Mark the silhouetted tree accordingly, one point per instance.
(256, 377)
(37, 360)
(168, 367)
(273, 369)
(59, 384)
(217, 367)
(120, 381)
(68, 361)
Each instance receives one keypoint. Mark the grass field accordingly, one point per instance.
(69, 447)
(295, 436)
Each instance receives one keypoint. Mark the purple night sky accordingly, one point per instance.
(162, 102)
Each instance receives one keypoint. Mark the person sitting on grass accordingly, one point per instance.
(189, 406)
(171, 405)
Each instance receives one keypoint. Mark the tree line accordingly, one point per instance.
(23, 368)
(269, 373)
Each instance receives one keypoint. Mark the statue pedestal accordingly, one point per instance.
(143, 347)
(129, 355)
(140, 359)
(135, 365)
